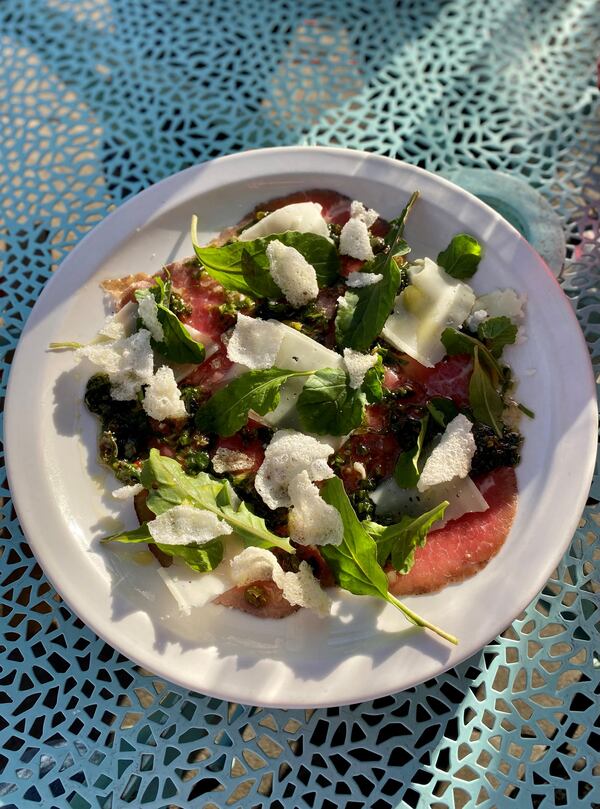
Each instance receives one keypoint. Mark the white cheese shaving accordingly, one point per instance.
(162, 399)
(125, 492)
(357, 365)
(360, 469)
(120, 324)
(129, 363)
(229, 460)
(367, 215)
(312, 521)
(148, 311)
(289, 453)
(433, 302)
(452, 457)
(357, 280)
(502, 303)
(301, 588)
(183, 525)
(476, 317)
(255, 342)
(355, 240)
(302, 217)
(292, 273)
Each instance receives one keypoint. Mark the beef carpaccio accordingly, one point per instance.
(304, 404)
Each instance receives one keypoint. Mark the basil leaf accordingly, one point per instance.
(226, 411)
(372, 385)
(362, 317)
(455, 342)
(406, 471)
(202, 558)
(462, 256)
(442, 410)
(485, 400)
(401, 539)
(259, 278)
(169, 486)
(328, 405)
(354, 562)
(178, 345)
(496, 333)
(224, 263)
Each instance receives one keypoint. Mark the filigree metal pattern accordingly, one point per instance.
(100, 98)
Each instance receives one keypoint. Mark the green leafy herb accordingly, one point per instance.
(201, 558)
(462, 256)
(529, 413)
(442, 410)
(484, 398)
(178, 345)
(227, 410)
(372, 385)
(258, 278)
(406, 471)
(65, 346)
(497, 332)
(401, 539)
(364, 312)
(224, 263)
(328, 405)
(354, 562)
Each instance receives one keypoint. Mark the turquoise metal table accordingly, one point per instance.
(99, 99)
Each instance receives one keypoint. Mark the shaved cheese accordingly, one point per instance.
(502, 303)
(359, 468)
(292, 273)
(476, 317)
(367, 215)
(357, 365)
(355, 240)
(148, 311)
(288, 454)
(433, 302)
(357, 280)
(462, 495)
(301, 588)
(162, 399)
(229, 460)
(191, 590)
(312, 521)
(302, 217)
(255, 342)
(120, 324)
(129, 363)
(125, 492)
(183, 525)
(452, 457)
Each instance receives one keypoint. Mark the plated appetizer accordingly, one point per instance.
(304, 404)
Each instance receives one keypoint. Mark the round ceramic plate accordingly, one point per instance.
(366, 649)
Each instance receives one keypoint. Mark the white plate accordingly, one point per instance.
(368, 649)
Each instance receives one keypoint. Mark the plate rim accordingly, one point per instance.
(148, 660)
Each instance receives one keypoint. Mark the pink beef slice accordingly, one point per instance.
(275, 607)
(464, 546)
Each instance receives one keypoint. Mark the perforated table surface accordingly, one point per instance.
(99, 99)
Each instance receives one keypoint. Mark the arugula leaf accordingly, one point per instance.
(372, 385)
(259, 278)
(442, 410)
(226, 411)
(169, 486)
(484, 398)
(328, 405)
(202, 558)
(529, 413)
(178, 344)
(497, 332)
(354, 562)
(401, 539)
(361, 319)
(406, 471)
(462, 256)
(224, 263)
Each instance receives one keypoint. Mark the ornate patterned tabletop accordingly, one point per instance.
(99, 99)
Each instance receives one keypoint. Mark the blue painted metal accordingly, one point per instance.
(100, 98)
